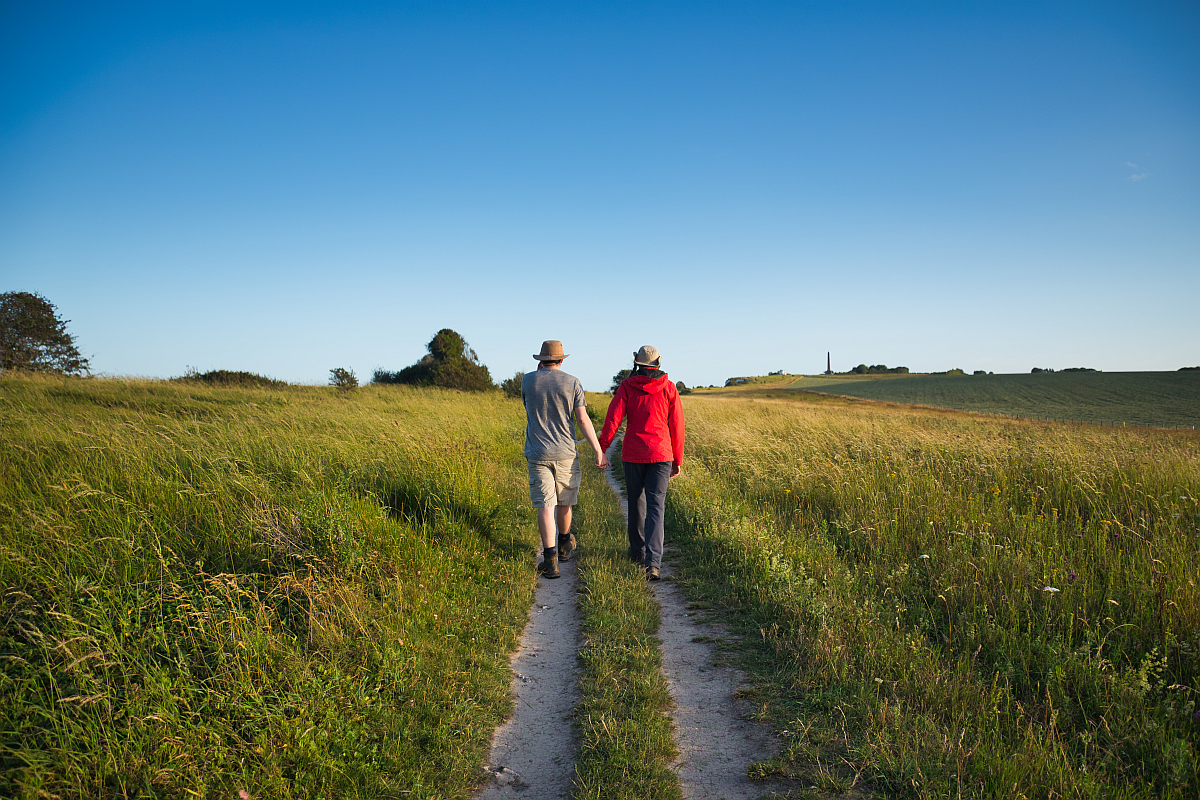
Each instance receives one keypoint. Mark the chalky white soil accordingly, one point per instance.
(533, 754)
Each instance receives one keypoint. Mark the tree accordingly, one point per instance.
(620, 376)
(450, 363)
(34, 339)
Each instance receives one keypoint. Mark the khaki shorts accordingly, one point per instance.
(554, 483)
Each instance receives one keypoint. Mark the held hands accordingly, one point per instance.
(601, 460)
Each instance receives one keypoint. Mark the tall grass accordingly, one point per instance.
(954, 607)
(287, 593)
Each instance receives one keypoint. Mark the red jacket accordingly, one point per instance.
(655, 429)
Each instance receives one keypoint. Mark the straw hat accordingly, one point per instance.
(647, 357)
(552, 350)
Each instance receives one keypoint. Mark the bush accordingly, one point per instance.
(450, 363)
(620, 376)
(344, 379)
(224, 377)
(955, 371)
(512, 386)
(682, 387)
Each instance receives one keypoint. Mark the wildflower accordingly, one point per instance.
(922, 556)
(1196, 715)
(1072, 575)
(1116, 534)
(1079, 536)
(1049, 589)
(242, 793)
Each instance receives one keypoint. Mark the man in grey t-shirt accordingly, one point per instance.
(553, 401)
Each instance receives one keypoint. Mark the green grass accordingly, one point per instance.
(285, 592)
(888, 569)
(626, 737)
(1166, 399)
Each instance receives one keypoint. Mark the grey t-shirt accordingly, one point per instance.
(551, 397)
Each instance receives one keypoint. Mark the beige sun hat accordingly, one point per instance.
(552, 350)
(647, 356)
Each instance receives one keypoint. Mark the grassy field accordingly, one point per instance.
(295, 593)
(941, 606)
(287, 593)
(1166, 399)
(292, 593)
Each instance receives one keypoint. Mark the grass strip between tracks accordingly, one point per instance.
(626, 737)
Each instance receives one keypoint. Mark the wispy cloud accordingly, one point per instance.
(1137, 176)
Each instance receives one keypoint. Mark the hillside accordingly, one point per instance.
(1166, 399)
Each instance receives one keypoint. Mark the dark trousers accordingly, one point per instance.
(646, 487)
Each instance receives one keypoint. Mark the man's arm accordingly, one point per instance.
(589, 432)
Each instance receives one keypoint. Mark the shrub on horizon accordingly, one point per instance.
(450, 364)
(344, 379)
(512, 386)
(224, 377)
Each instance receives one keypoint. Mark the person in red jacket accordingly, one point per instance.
(652, 451)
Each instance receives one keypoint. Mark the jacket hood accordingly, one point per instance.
(648, 384)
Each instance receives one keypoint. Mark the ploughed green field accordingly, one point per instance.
(1165, 399)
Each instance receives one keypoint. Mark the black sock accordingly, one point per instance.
(550, 552)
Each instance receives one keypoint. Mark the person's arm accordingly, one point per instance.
(589, 433)
(612, 420)
(675, 426)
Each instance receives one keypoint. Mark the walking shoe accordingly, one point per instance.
(548, 566)
(566, 547)
(652, 573)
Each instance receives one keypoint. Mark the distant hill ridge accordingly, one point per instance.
(1159, 399)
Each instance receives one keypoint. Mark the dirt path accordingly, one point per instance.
(534, 752)
(716, 736)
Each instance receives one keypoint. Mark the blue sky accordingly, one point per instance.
(291, 187)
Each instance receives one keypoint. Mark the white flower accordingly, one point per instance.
(1049, 589)
(922, 556)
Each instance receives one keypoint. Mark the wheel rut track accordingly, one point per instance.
(533, 753)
